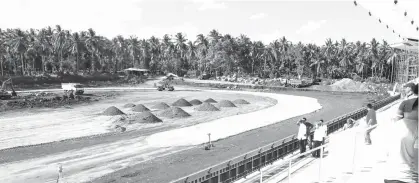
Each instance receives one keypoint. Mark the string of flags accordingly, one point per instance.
(405, 15)
(379, 20)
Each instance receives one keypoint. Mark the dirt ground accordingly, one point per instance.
(177, 165)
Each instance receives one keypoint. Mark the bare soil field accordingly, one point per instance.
(88, 144)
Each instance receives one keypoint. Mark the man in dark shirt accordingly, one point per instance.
(371, 120)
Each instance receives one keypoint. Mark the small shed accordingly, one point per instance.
(137, 72)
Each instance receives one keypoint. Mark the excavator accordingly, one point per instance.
(4, 95)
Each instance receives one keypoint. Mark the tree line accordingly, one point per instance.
(51, 50)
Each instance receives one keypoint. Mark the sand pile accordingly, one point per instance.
(174, 112)
(210, 100)
(112, 111)
(195, 102)
(140, 108)
(225, 103)
(181, 103)
(161, 105)
(129, 105)
(206, 107)
(241, 101)
(145, 117)
(347, 84)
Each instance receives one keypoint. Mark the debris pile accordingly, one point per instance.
(206, 107)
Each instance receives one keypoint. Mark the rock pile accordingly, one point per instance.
(129, 105)
(225, 103)
(161, 106)
(145, 117)
(210, 100)
(240, 101)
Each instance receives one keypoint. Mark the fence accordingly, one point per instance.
(252, 161)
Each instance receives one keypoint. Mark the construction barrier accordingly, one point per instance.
(240, 166)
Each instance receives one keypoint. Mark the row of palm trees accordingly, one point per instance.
(58, 50)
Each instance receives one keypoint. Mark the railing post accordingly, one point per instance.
(261, 176)
(289, 171)
(320, 164)
(354, 155)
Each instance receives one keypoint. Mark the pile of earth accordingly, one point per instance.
(210, 100)
(225, 103)
(174, 112)
(206, 107)
(144, 117)
(240, 101)
(161, 106)
(140, 108)
(22, 102)
(347, 84)
(112, 111)
(129, 105)
(195, 102)
(181, 103)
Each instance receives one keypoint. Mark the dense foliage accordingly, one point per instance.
(58, 50)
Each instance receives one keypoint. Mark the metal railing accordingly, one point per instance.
(242, 165)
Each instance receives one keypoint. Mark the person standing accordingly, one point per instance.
(371, 120)
(302, 135)
(408, 113)
(320, 133)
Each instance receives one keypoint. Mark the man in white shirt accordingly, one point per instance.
(302, 135)
(320, 134)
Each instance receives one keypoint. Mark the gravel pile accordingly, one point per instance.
(195, 102)
(206, 107)
(129, 105)
(181, 103)
(145, 117)
(210, 100)
(241, 101)
(225, 103)
(112, 111)
(174, 112)
(140, 108)
(161, 106)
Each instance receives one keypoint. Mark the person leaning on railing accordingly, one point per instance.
(408, 113)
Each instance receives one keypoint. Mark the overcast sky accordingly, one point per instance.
(306, 21)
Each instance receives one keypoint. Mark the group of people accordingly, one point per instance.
(304, 137)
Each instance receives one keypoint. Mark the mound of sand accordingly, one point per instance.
(181, 103)
(210, 100)
(174, 112)
(195, 102)
(112, 111)
(140, 108)
(129, 105)
(161, 106)
(206, 107)
(145, 117)
(241, 101)
(347, 84)
(226, 103)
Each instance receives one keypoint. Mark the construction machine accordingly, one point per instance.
(167, 83)
(4, 95)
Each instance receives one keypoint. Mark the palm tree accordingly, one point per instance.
(133, 47)
(92, 43)
(18, 44)
(76, 44)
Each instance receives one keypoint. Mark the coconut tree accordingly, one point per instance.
(92, 42)
(134, 48)
(18, 43)
(76, 46)
(202, 44)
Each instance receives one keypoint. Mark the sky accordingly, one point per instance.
(308, 21)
